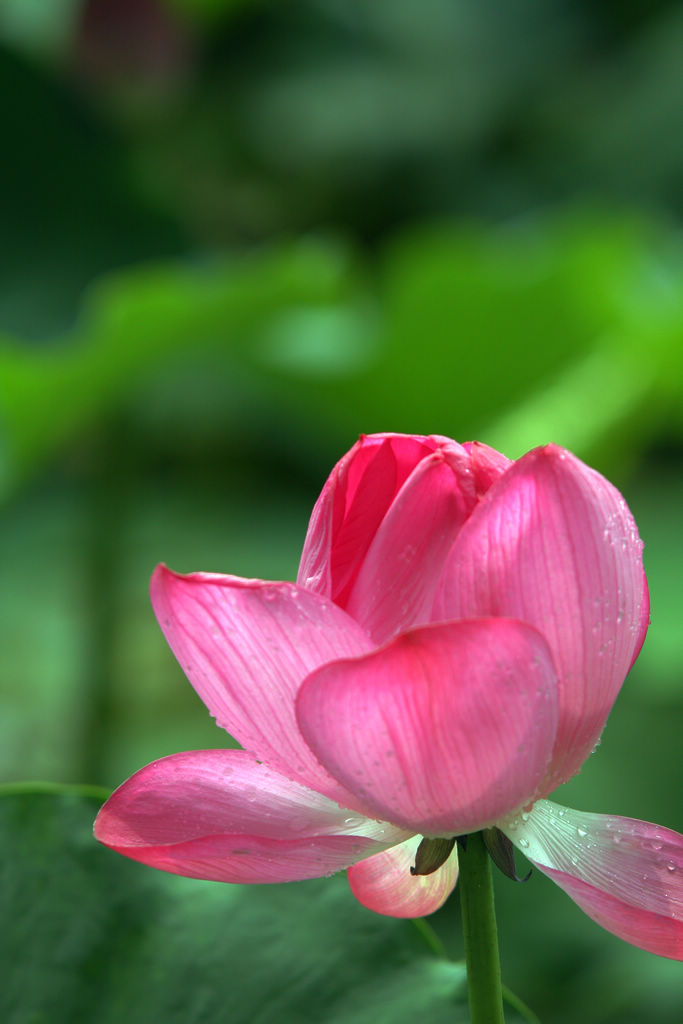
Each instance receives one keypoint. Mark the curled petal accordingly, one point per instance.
(625, 874)
(348, 528)
(246, 646)
(395, 586)
(383, 883)
(441, 731)
(222, 815)
(552, 543)
(348, 512)
(644, 623)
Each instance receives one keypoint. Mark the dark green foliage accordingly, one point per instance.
(91, 936)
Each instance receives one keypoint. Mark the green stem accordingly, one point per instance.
(481, 937)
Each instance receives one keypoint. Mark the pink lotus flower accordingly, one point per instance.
(459, 630)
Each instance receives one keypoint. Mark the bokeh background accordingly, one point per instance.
(238, 233)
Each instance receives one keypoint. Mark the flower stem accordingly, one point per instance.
(481, 937)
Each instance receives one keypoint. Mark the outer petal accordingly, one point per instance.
(625, 874)
(246, 646)
(644, 620)
(222, 815)
(383, 883)
(441, 731)
(395, 585)
(553, 544)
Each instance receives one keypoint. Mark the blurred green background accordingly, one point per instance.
(238, 233)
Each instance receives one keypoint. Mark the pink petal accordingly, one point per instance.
(487, 465)
(552, 543)
(350, 508)
(644, 620)
(625, 874)
(383, 525)
(246, 646)
(222, 815)
(441, 731)
(383, 883)
(395, 586)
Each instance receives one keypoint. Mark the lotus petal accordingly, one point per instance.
(624, 873)
(383, 883)
(552, 543)
(222, 815)
(246, 646)
(441, 731)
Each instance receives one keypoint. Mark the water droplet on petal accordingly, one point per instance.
(524, 843)
(582, 832)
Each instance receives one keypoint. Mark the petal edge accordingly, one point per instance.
(383, 883)
(625, 874)
(222, 815)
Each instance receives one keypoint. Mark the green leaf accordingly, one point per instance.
(37, 26)
(135, 322)
(565, 329)
(92, 936)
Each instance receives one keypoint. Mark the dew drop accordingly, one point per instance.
(524, 843)
(670, 866)
(582, 832)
